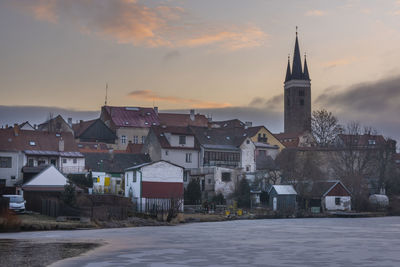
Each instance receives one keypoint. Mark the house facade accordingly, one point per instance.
(129, 123)
(24, 153)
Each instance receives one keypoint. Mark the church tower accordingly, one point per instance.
(297, 96)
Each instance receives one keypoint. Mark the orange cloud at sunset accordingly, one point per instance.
(130, 22)
(149, 96)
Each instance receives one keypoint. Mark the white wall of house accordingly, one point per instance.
(223, 186)
(248, 156)
(71, 165)
(12, 174)
(178, 157)
(345, 203)
(162, 172)
(132, 186)
(173, 140)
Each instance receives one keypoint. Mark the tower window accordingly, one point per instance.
(301, 102)
(301, 93)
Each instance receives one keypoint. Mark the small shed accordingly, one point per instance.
(49, 183)
(333, 195)
(282, 198)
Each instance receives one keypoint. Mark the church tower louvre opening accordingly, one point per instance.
(297, 95)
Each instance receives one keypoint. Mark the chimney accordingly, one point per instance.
(61, 145)
(16, 129)
(192, 114)
(70, 122)
(156, 110)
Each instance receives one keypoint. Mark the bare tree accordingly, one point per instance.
(324, 127)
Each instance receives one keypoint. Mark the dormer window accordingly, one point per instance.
(126, 123)
(228, 138)
(58, 135)
(148, 113)
(371, 142)
(32, 143)
(146, 123)
(182, 140)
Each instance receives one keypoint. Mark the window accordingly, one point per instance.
(13, 177)
(337, 200)
(301, 102)
(143, 139)
(134, 176)
(247, 168)
(185, 176)
(5, 162)
(182, 140)
(32, 143)
(248, 141)
(188, 157)
(41, 162)
(123, 139)
(64, 161)
(53, 162)
(301, 93)
(2, 182)
(166, 152)
(31, 162)
(135, 139)
(226, 177)
(371, 142)
(94, 180)
(209, 181)
(75, 161)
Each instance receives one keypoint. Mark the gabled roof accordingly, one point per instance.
(182, 120)
(49, 179)
(26, 125)
(20, 140)
(151, 163)
(94, 130)
(283, 189)
(113, 162)
(220, 138)
(132, 116)
(322, 188)
(289, 140)
(52, 125)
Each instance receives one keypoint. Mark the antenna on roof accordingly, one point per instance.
(105, 100)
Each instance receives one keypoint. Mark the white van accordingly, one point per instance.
(17, 202)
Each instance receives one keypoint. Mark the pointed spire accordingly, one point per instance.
(306, 75)
(296, 69)
(288, 72)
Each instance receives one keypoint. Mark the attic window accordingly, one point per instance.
(154, 123)
(146, 123)
(371, 142)
(126, 123)
(148, 113)
(32, 143)
(208, 137)
(80, 145)
(228, 138)
(58, 135)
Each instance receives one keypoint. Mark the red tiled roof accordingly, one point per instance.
(162, 190)
(134, 148)
(363, 140)
(235, 123)
(288, 139)
(132, 116)
(92, 147)
(42, 140)
(175, 119)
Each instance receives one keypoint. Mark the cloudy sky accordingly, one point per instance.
(226, 58)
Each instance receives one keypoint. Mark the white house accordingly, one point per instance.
(333, 195)
(155, 185)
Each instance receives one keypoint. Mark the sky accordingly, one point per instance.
(224, 58)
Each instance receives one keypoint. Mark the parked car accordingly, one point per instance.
(17, 202)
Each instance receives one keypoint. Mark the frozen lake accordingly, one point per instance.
(279, 242)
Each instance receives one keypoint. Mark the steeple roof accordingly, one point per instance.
(288, 72)
(306, 76)
(296, 69)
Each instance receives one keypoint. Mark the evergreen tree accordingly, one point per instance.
(193, 192)
(242, 194)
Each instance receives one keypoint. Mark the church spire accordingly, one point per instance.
(288, 72)
(296, 69)
(306, 75)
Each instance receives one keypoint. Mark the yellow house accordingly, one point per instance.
(261, 135)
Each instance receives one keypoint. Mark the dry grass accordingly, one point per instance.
(33, 222)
